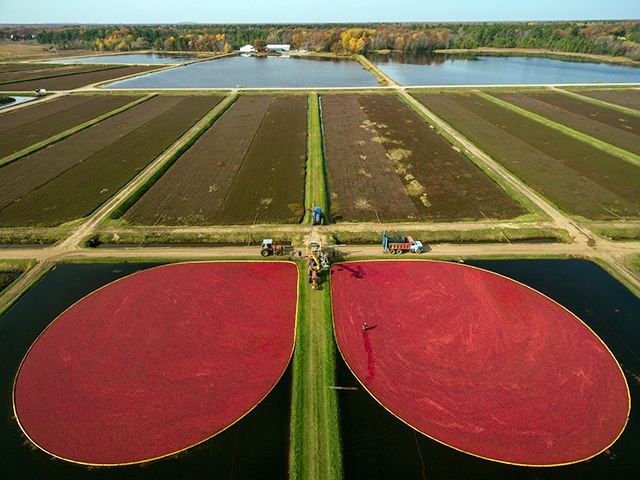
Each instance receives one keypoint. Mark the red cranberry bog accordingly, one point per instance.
(479, 362)
(157, 362)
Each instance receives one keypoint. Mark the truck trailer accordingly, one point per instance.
(396, 243)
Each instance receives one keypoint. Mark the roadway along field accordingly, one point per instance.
(577, 177)
(34, 123)
(58, 188)
(385, 163)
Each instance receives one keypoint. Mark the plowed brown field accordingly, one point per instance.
(77, 80)
(606, 124)
(624, 98)
(576, 176)
(386, 163)
(26, 126)
(248, 168)
(58, 188)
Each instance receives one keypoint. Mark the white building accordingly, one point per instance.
(279, 47)
(247, 49)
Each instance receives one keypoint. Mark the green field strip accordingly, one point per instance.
(315, 435)
(204, 125)
(315, 185)
(61, 136)
(594, 142)
(60, 75)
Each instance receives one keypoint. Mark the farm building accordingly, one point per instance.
(247, 49)
(278, 47)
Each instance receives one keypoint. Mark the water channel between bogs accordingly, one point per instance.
(375, 443)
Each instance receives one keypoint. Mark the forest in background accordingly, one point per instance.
(621, 38)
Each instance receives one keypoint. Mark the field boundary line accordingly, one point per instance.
(72, 131)
(570, 132)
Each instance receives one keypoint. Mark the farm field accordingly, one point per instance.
(629, 98)
(35, 123)
(20, 75)
(577, 177)
(606, 124)
(248, 167)
(74, 80)
(71, 178)
(386, 164)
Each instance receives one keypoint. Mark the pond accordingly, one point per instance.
(376, 445)
(257, 72)
(17, 101)
(259, 442)
(133, 59)
(442, 70)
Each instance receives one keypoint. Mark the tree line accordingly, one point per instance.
(621, 38)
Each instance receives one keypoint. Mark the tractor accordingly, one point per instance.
(268, 248)
(317, 217)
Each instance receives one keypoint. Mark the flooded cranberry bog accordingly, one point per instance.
(249, 167)
(69, 179)
(576, 176)
(375, 444)
(385, 163)
(257, 442)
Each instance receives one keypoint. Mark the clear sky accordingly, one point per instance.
(316, 11)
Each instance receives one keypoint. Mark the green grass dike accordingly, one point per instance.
(315, 435)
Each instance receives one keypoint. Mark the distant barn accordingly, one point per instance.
(278, 47)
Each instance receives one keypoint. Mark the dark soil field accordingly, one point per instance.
(194, 189)
(386, 163)
(606, 124)
(28, 173)
(578, 178)
(45, 194)
(269, 186)
(48, 71)
(248, 168)
(18, 67)
(624, 98)
(479, 362)
(76, 80)
(159, 361)
(29, 125)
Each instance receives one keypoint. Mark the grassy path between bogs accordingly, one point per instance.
(315, 188)
(315, 436)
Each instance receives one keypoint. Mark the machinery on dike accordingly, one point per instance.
(396, 243)
(317, 216)
(268, 248)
